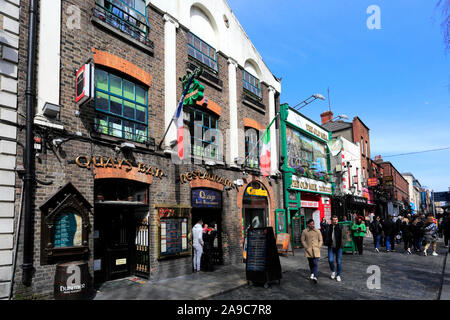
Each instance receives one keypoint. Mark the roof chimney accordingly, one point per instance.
(327, 116)
(378, 159)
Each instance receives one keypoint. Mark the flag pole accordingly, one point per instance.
(265, 132)
(195, 74)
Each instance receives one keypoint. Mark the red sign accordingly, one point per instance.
(372, 182)
(310, 204)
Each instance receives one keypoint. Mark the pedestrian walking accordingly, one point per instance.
(418, 231)
(334, 242)
(407, 235)
(376, 228)
(398, 231)
(197, 244)
(208, 238)
(359, 230)
(389, 231)
(312, 241)
(323, 227)
(430, 235)
(446, 229)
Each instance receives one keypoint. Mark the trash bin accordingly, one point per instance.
(348, 245)
(72, 281)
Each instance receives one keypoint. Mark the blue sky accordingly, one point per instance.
(396, 79)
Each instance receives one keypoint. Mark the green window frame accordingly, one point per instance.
(202, 52)
(121, 107)
(252, 84)
(201, 124)
(252, 148)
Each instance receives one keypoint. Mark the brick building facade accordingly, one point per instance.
(111, 158)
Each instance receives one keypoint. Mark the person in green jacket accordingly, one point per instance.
(359, 230)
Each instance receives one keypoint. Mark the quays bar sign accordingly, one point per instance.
(189, 176)
(123, 164)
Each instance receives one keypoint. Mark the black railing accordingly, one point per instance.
(130, 23)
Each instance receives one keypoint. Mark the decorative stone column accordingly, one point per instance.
(234, 134)
(170, 77)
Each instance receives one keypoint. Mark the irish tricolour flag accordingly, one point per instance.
(178, 119)
(264, 159)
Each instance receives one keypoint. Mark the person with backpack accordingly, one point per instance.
(359, 230)
(430, 235)
(376, 229)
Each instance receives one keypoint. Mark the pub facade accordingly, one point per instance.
(306, 167)
(111, 191)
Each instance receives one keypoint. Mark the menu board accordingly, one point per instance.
(256, 250)
(67, 231)
(173, 231)
(296, 226)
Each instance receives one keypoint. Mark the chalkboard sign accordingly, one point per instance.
(263, 263)
(256, 252)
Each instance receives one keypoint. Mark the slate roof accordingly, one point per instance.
(334, 126)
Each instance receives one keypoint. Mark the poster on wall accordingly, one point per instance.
(316, 218)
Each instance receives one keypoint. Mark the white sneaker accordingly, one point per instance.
(333, 275)
(434, 253)
(425, 253)
(376, 249)
(315, 279)
(338, 279)
(312, 276)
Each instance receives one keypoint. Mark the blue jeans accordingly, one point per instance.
(388, 243)
(376, 240)
(332, 254)
(314, 266)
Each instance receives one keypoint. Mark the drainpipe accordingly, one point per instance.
(30, 94)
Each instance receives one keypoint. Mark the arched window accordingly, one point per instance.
(252, 148)
(251, 82)
(202, 39)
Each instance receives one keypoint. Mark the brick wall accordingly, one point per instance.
(360, 131)
(56, 165)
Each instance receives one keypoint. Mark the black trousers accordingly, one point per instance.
(408, 242)
(359, 244)
(446, 237)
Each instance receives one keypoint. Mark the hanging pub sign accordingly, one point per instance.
(84, 86)
(372, 182)
(205, 198)
(189, 176)
(120, 164)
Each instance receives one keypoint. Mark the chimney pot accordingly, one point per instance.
(327, 116)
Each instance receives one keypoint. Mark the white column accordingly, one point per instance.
(234, 134)
(170, 77)
(49, 53)
(273, 132)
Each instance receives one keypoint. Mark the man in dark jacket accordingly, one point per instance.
(389, 231)
(446, 228)
(376, 228)
(334, 242)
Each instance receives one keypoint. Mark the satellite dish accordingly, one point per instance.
(335, 146)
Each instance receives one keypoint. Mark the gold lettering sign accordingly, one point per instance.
(103, 162)
(189, 176)
(316, 132)
(257, 192)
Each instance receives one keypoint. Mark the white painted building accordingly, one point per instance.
(9, 58)
(414, 191)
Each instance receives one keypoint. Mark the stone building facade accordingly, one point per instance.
(102, 157)
(9, 58)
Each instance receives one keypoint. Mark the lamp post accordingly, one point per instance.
(339, 117)
(312, 98)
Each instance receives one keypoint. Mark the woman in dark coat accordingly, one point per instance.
(324, 228)
(208, 239)
(407, 235)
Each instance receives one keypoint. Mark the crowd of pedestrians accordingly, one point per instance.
(417, 232)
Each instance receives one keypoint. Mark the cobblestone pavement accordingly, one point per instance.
(403, 277)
